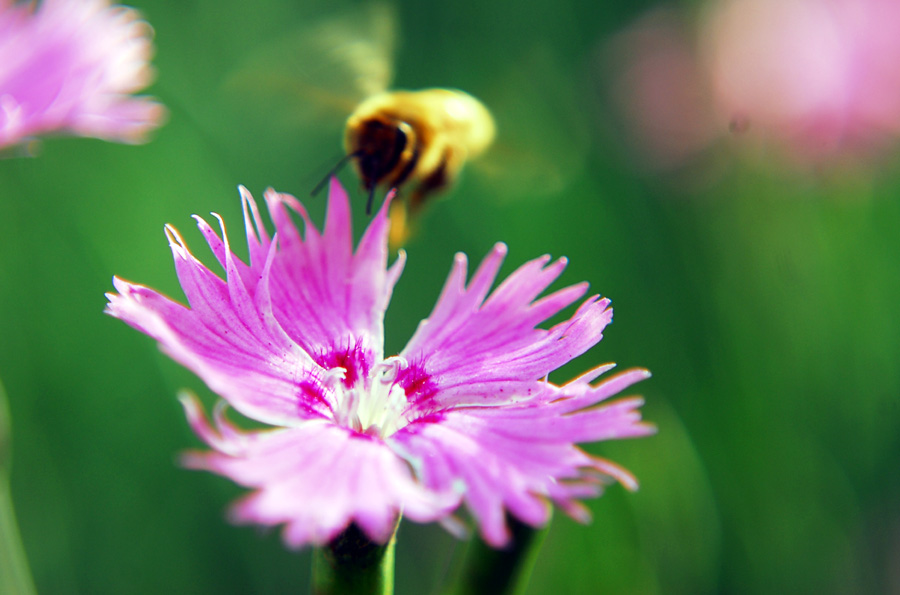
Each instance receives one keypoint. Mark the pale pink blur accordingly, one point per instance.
(820, 76)
(70, 66)
(812, 81)
(660, 91)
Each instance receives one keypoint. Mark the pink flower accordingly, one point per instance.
(820, 76)
(815, 81)
(463, 413)
(659, 90)
(69, 66)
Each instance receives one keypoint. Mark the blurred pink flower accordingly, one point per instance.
(464, 413)
(660, 90)
(821, 76)
(69, 66)
(815, 80)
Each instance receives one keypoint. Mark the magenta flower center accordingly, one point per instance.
(362, 396)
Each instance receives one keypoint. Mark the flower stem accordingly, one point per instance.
(489, 571)
(15, 577)
(353, 564)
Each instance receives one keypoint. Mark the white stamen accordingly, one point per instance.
(374, 405)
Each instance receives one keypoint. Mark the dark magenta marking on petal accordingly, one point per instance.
(416, 383)
(353, 358)
(417, 423)
(312, 396)
(370, 434)
(431, 418)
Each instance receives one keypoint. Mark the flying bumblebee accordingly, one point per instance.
(416, 138)
(414, 141)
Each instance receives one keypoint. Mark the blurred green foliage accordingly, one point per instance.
(765, 304)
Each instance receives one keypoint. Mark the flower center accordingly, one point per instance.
(375, 404)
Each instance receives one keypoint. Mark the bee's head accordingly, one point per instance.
(382, 148)
(384, 151)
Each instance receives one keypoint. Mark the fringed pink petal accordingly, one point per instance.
(257, 237)
(593, 374)
(70, 67)
(316, 479)
(474, 340)
(579, 394)
(258, 375)
(323, 294)
(512, 457)
(280, 316)
(458, 456)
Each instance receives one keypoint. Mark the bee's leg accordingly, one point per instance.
(401, 228)
(440, 178)
(370, 199)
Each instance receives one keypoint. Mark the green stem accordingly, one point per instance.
(353, 564)
(15, 577)
(489, 571)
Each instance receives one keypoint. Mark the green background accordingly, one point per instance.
(764, 302)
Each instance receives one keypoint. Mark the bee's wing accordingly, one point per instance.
(542, 137)
(326, 67)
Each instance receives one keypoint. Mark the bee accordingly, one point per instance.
(416, 142)
(416, 138)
